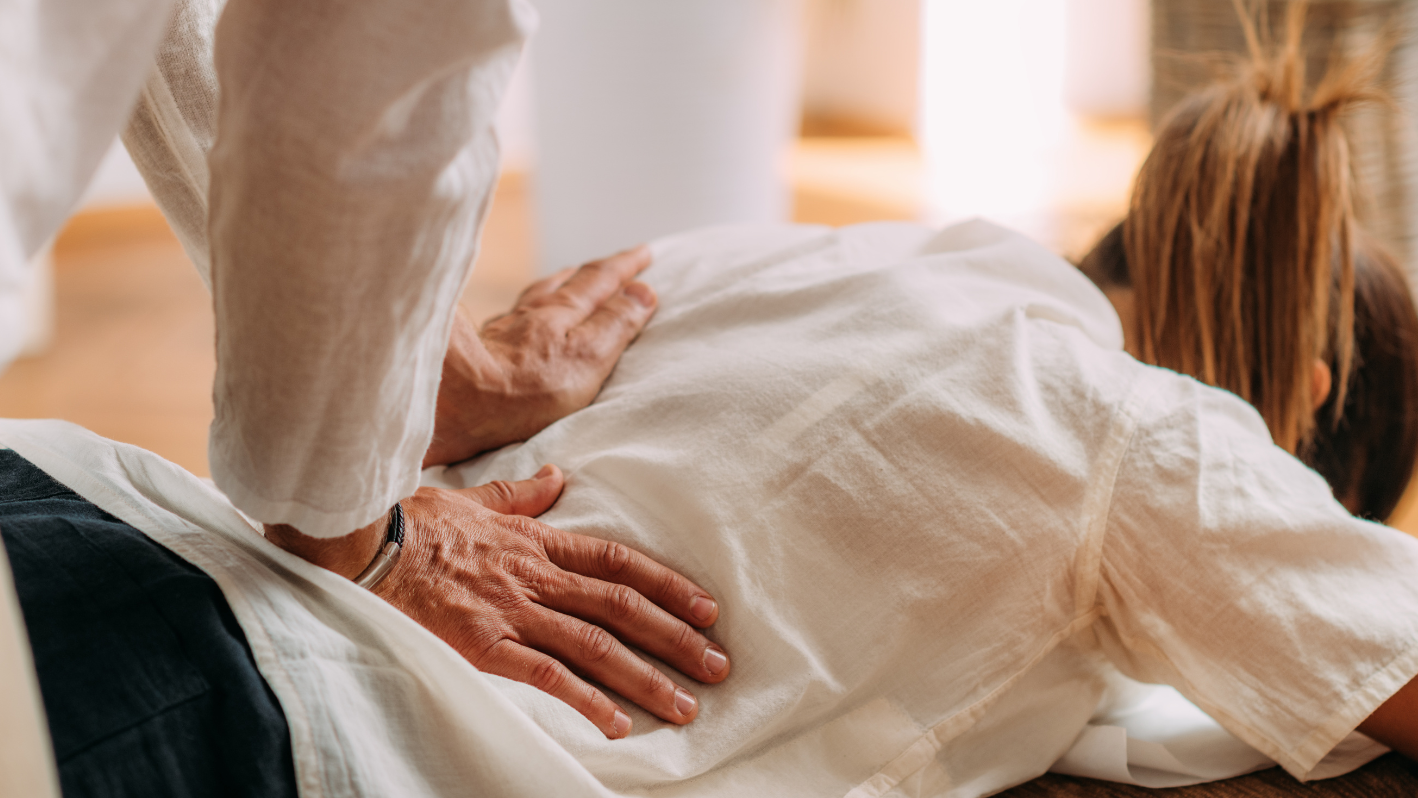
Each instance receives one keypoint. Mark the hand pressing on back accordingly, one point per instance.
(526, 601)
(544, 359)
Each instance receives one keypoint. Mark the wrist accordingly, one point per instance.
(466, 406)
(347, 555)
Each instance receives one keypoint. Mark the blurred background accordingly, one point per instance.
(630, 119)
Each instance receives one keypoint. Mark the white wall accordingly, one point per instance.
(655, 116)
(992, 105)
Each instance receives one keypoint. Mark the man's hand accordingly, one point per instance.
(545, 358)
(523, 600)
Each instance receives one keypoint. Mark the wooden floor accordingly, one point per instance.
(131, 357)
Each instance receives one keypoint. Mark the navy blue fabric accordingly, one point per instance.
(148, 682)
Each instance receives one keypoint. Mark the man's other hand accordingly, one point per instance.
(542, 360)
(523, 600)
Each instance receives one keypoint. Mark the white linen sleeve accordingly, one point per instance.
(174, 122)
(351, 171)
(1230, 572)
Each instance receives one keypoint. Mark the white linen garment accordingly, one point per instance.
(332, 195)
(350, 173)
(937, 504)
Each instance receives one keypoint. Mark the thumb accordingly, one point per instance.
(530, 497)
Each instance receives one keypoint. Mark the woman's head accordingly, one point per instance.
(1239, 246)
(1240, 229)
(1365, 447)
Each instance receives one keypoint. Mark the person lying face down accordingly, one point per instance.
(937, 500)
(1240, 264)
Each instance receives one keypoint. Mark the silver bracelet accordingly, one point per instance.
(388, 555)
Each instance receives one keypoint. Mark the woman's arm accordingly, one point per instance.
(1395, 722)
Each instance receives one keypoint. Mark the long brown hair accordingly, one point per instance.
(1367, 453)
(1239, 234)
(1366, 442)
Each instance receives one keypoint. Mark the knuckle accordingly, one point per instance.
(506, 561)
(629, 313)
(615, 559)
(507, 599)
(514, 577)
(536, 579)
(596, 645)
(548, 675)
(688, 640)
(671, 584)
(530, 529)
(657, 683)
(500, 490)
(622, 603)
(515, 565)
(485, 646)
(564, 298)
(601, 266)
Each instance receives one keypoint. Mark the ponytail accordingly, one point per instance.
(1239, 235)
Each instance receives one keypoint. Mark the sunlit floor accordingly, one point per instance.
(131, 357)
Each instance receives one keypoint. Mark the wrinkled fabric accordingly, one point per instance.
(350, 174)
(331, 197)
(939, 507)
(331, 194)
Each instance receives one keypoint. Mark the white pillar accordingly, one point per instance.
(655, 116)
(992, 110)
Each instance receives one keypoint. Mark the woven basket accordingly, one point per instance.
(1385, 141)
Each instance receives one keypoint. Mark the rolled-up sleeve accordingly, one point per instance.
(1230, 572)
(352, 168)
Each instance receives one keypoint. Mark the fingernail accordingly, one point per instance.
(684, 702)
(641, 293)
(621, 724)
(545, 472)
(715, 661)
(702, 609)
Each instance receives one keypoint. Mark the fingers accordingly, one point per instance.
(635, 619)
(595, 283)
(529, 497)
(612, 562)
(545, 286)
(513, 661)
(610, 329)
(593, 651)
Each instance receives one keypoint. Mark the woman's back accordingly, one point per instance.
(934, 496)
